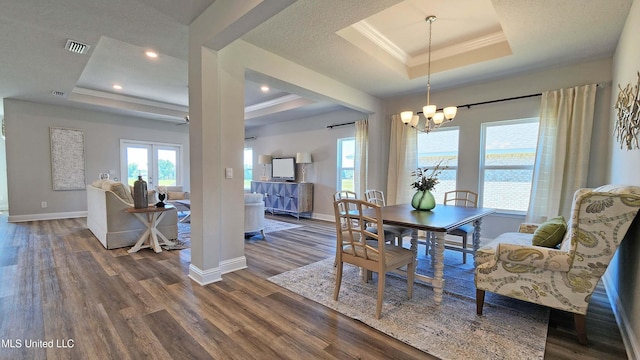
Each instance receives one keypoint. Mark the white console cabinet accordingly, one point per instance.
(286, 197)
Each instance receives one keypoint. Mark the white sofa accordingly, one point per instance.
(107, 220)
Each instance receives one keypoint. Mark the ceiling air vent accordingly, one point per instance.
(57, 93)
(76, 47)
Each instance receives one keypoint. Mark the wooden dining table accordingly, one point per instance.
(437, 222)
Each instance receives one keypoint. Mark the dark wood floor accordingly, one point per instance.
(60, 287)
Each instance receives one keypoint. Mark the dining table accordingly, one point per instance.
(436, 222)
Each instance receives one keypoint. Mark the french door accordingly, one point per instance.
(158, 164)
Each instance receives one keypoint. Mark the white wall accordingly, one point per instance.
(470, 119)
(4, 193)
(29, 155)
(307, 135)
(623, 276)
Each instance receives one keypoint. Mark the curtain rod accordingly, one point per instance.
(468, 106)
(343, 124)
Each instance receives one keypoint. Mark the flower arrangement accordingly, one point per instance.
(427, 178)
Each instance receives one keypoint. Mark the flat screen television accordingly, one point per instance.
(283, 168)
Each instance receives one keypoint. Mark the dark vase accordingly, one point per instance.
(423, 200)
(140, 194)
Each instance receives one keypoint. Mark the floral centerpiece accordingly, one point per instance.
(426, 180)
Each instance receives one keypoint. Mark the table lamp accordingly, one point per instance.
(303, 158)
(264, 160)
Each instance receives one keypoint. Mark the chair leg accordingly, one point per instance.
(336, 291)
(581, 328)
(262, 232)
(411, 273)
(381, 278)
(479, 301)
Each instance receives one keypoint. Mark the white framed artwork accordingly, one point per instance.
(67, 159)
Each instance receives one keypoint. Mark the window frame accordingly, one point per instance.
(440, 200)
(247, 165)
(482, 167)
(339, 166)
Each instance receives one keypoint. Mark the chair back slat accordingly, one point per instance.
(375, 197)
(354, 236)
(466, 198)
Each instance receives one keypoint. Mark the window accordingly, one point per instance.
(159, 164)
(440, 145)
(506, 163)
(346, 163)
(248, 168)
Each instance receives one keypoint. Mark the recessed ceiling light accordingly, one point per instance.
(264, 88)
(117, 87)
(151, 54)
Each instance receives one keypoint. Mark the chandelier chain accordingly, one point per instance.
(430, 20)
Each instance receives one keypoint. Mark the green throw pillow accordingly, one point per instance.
(550, 233)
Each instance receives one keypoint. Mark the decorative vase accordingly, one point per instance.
(140, 195)
(423, 200)
(160, 203)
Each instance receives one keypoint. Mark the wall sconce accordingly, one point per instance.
(303, 158)
(628, 119)
(264, 160)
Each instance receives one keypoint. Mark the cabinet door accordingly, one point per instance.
(291, 198)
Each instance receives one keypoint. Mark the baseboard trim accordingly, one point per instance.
(231, 265)
(629, 338)
(204, 277)
(49, 216)
(323, 217)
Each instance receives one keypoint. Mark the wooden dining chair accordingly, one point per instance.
(465, 198)
(398, 232)
(375, 255)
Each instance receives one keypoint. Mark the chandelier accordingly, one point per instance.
(433, 117)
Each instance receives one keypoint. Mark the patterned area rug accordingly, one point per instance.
(509, 329)
(184, 232)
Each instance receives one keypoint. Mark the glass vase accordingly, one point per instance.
(423, 200)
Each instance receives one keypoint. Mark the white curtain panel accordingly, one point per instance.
(361, 158)
(403, 148)
(562, 158)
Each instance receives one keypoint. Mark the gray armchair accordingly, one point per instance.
(254, 213)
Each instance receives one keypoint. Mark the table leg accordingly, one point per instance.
(151, 220)
(438, 276)
(153, 239)
(414, 241)
(146, 236)
(476, 238)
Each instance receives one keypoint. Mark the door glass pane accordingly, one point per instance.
(137, 164)
(167, 167)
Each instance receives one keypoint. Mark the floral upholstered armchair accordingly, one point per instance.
(564, 277)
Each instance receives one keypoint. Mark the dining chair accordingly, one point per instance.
(465, 198)
(344, 194)
(398, 232)
(360, 247)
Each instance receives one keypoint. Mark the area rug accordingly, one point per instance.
(509, 329)
(184, 232)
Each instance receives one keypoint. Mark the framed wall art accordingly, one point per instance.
(67, 159)
(627, 127)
